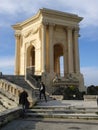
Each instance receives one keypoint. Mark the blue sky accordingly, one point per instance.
(13, 11)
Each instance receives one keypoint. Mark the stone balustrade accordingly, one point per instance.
(10, 90)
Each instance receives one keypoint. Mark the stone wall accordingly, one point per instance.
(9, 115)
(90, 97)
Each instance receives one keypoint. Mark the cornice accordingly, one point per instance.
(49, 16)
(19, 26)
(55, 13)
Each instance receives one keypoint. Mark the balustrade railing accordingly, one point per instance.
(10, 90)
(30, 75)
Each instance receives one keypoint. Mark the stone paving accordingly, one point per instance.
(75, 103)
(54, 123)
(51, 124)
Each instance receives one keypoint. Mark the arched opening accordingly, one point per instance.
(58, 60)
(32, 55)
(31, 59)
(62, 66)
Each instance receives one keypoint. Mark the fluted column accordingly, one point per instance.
(17, 54)
(70, 50)
(25, 61)
(43, 47)
(51, 51)
(65, 55)
(76, 51)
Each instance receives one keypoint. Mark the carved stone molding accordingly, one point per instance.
(17, 35)
(59, 40)
(34, 30)
(48, 22)
(34, 43)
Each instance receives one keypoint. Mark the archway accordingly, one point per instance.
(31, 59)
(58, 59)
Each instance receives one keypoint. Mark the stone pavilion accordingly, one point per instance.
(47, 46)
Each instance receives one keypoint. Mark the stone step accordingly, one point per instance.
(65, 108)
(63, 112)
(64, 115)
(60, 110)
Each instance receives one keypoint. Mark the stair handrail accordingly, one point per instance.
(30, 77)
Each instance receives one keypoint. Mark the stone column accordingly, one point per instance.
(70, 50)
(17, 54)
(51, 56)
(43, 47)
(65, 55)
(65, 62)
(76, 51)
(25, 61)
(37, 61)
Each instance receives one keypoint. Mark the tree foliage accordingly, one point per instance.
(69, 93)
(92, 90)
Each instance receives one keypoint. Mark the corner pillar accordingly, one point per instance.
(43, 47)
(76, 51)
(65, 55)
(70, 50)
(51, 51)
(17, 54)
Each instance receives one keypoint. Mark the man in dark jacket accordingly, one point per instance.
(23, 100)
(42, 91)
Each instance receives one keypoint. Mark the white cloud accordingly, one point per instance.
(17, 6)
(85, 8)
(90, 75)
(7, 65)
(6, 61)
(11, 10)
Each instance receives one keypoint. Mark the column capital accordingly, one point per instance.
(76, 29)
(50, 23)
(17, 34)
(69, 28)
(44, 22)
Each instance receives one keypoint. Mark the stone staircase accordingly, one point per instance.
(52, 108)
(18, 80)
(6, 103)
(67, 111)
(30, 85)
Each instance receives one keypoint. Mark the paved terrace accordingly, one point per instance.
(31, 123)
(72, 103)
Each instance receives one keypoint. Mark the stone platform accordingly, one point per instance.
(58, 115)
(51, 124)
